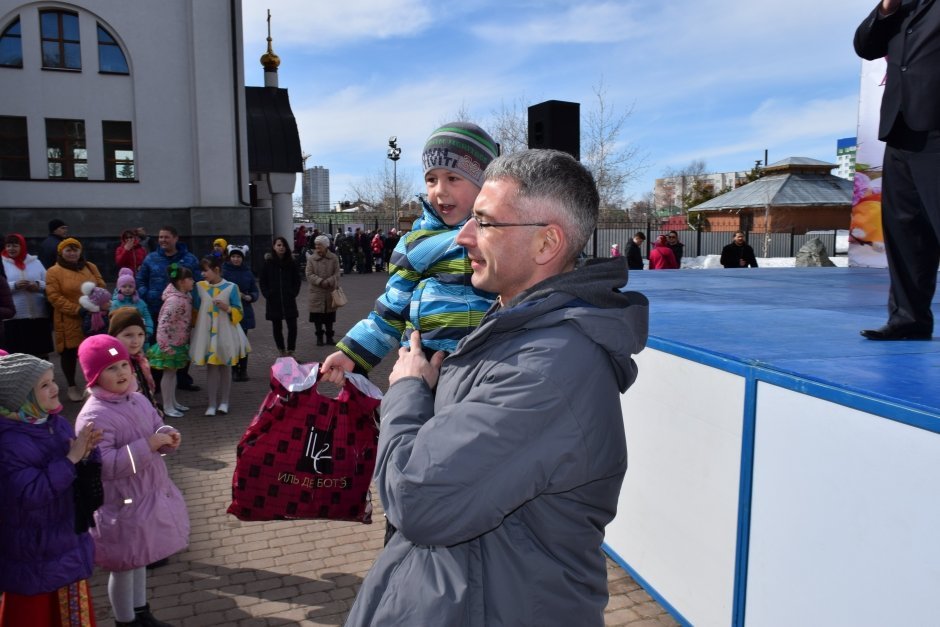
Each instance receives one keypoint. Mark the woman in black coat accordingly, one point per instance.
(280, 284)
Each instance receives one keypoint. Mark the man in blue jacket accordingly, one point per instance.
(501, 465)
(907, 32)
(152, 279)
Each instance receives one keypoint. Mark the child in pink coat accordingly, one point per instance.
(143, 518)
(170, 351)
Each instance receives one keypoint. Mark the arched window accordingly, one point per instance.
(11, 46)
(61, 45)
(111, 58)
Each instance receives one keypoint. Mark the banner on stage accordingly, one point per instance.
(866, 244)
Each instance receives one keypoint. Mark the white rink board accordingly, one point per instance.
(845, 518)
(676, 522)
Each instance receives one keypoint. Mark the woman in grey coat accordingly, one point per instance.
(323, 277)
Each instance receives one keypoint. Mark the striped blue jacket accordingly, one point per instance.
(428, 289)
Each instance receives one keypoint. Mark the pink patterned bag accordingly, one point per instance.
(306, 455)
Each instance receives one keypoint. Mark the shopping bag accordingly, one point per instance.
(306, 455)
(339, 298)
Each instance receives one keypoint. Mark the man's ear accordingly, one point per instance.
(551, 245)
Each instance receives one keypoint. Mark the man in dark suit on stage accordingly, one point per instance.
(907, 32)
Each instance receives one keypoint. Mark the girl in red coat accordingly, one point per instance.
(662, 257)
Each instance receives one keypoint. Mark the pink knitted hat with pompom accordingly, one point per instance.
(126, 277)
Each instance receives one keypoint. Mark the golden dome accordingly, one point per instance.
(269, 60)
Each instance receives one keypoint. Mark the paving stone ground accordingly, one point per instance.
(284, 573)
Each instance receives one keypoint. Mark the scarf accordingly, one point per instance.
(20, 260)
(97, 320)
(30, 412)
(107, 395)
(75, 267)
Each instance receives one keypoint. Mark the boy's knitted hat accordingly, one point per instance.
(124, 317)
(126, 277)
(460, 147)
(97, 353)
(56, 224)
(93, 297)
(18, 374)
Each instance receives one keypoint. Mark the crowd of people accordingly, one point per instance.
(358, 250)
(66, 490)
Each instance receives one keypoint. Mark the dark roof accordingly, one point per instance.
(273, 140)
(795, 182)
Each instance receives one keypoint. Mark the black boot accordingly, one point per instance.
(240, 371)
(319, 338)
(143, 617)
(134, 623)
(329, 336)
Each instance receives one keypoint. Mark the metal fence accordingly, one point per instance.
(699, 243)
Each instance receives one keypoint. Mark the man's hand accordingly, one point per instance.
(412, 363)
(335, 367)
(889, 6)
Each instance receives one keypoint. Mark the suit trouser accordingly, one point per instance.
(910, 218)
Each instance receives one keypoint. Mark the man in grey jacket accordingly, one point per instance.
(501, 465)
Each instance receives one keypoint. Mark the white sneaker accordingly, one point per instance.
(210, 411)
(223, 408)
(172, 413)
(179, 407)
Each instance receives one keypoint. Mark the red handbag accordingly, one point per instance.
(306, 455)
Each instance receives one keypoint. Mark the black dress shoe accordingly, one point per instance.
(888, 333)
(188, 388)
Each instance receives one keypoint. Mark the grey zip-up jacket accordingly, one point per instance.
(502, 482)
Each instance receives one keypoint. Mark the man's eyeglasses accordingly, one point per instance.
(485, 225)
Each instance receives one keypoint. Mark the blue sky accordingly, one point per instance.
(706, 79)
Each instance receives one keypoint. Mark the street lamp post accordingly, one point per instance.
(394, 153)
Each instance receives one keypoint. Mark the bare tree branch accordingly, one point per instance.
(378, 189)
(613, 162)
(509, 126)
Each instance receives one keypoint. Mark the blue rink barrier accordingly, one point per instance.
(783, 470)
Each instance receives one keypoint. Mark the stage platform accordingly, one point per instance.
(801, 321)
(781, 465)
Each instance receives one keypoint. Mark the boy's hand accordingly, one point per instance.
(412, 363)
(335, 367)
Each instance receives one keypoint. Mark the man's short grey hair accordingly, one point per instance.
(553, 187)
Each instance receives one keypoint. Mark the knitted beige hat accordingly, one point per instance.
(18, 375)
